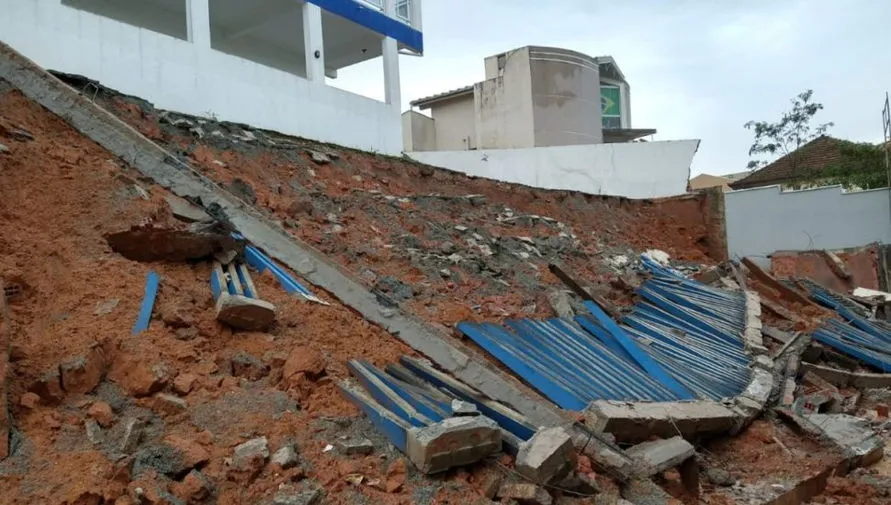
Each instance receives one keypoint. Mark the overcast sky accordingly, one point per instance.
(697, 68)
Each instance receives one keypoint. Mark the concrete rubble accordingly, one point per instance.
(452, 442)
(548, 456)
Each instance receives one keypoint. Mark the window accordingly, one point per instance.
(611, 106)
(403, 9)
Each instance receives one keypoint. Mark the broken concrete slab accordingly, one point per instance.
(844, 378)
(452, 442)
(147, 243)
(548, 456)
(350, 447)
(861, 445)
(245, 313)
(185, 211)
(656, 456)
(635, 422)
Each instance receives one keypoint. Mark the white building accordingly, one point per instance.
(260, 62)
(532, 97)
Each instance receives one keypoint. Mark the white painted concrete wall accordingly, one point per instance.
(761, 221)
(454, 124)
(634, 170)
(178, 75)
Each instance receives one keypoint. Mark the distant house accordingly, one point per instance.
(704, 181)
(801, 167)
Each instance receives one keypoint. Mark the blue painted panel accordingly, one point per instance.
(420, 404)
(374, 19)
(391, 426)
(148, 302)
(245, 286)
(259, 261)
(216, 284)
(640, 357)
(384, 395)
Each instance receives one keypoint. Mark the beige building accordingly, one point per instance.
(705, 181)
(532, 97)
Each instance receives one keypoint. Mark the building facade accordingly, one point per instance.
(262, 62)
(532, 97)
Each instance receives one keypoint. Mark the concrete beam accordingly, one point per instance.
(633, 422)
(546, 457)
(844, 378)
(452, 442)
(656, 456)
(180, 178)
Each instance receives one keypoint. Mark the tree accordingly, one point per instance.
(862, 166)
(792, 131)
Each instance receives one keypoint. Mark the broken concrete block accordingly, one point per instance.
(561, 302)
(132, 434)
(286, 457)
(852, 435)
(660, 455)
(462, 408)
(633, 422)
(548, 456)
(645, 491)
(185, 211)
(489, 484)
(355, 446)
(245, 313)
(147, 243)
(94, 432)
(455, 441)
(525, 494)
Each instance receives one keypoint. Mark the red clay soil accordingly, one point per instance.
(60, 193)
(375, 215)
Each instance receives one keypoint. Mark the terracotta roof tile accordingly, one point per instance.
(809, 160)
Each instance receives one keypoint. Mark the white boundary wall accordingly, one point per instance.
(633, 170)
(178, 75)
(762, 221)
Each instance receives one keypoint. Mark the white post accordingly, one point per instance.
(198, 21)
(313, 42)
(390, 50)
(415, 14)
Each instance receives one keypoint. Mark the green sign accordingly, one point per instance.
(610, 101)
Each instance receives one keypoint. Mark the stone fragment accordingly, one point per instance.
(193, 453)
(102, 413)
(30, 401)
(94, 432)
(138, 377)
(579, 483)
(355, 446)
(184, 383)
(194, 488)
(719, 477)
(660, 455)
(525, 493)
(463, 409)
(290, 496)
(318, 158)
(286, 457)
(455, 441)
(49, 386)
(396, 475)
(548, 456)
(248, 366)
(245, 313)
(170, 404)
(132, 435)
(250, 457)
(185, 211)
(561, 303)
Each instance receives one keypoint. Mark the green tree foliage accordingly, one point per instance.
(785, 136)
(862, 166)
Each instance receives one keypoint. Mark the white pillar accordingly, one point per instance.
(198, 21)
(415, 14)
(313, 42)
(390, 50)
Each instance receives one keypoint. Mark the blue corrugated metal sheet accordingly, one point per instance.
(683, 341)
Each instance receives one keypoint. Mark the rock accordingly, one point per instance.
(286, 457)
(185, 211)
(580, 483)
(305, 360)
(243, 190)
(561, 302)
(455, 441)
(290, 496)
(490, 483)
(184, 383)
(250, 457)
(245, 313)
(318, 157)
(719, 477)
(248, 366)
(102, 413)
(194, 455)
(49, 386)
(160, 458)
(548, 456)
(94, 432)
(147, 243)
(355, 446)
(525, 493)
(175, 316)
(132, 434)
(194, 488)
(226, 257)
(138, 378)
(447, 248)
(170, 404)
(30, 401)
(106, 307)
(426, 171)
(3, 149)
(82, 374)
(395, 476)
(186, 334)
